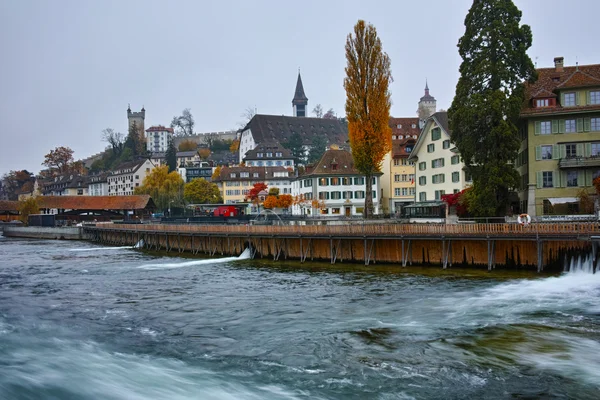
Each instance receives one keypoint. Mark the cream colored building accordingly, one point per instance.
(439, 169)
(126, 177)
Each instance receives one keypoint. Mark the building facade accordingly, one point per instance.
(333, 187)
(126, 177)
(398, 179)
(98, 185)
(269, 155)
(66, 185)
(137, 117)
(560, 132)
(157, 138)
(438, 167)
(235, 182)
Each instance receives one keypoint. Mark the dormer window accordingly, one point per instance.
(278, 155)
(399, 126)
(393, 137)
(542, 103)
(414, 126)
(232, 175)
(334, 167)
(569, 99)
(400, 137)
(269, 155)
(259, 155)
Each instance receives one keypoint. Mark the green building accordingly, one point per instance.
(560, 132)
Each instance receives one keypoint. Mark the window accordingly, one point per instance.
(455, 177)
(308, 182)
(359, 181)
(454, 160)
(346, 181)
(569, 100)
(397, 192)
(547, 179)
(571, 150)
(595, 123)
(269, 155)
(393, 137)
(546, 152)
(541, 103)
(335, 181)
(468, 177)
(397, 178)
(404, 191)
(439, 194)
(347, 194)
(570, 126)
(255, 175)
(595, 97)
(396, 162)
(422, 180)
(422, 166)
(400, 137)
(437, 163)
(546, 127)
(436, 134)
(399, 126)
(324, 182)
(259, 155)
(244, 174)
(572, 178)
(422, 196)
(359, 194)
(335, 211)
(336, 195)
(595, 150)
(323, 195)
(278, 155)
(446, 144)
(439, 178)
(232, 175)
(430, 148)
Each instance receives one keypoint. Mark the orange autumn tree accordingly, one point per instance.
(368, 102)
(270, 202)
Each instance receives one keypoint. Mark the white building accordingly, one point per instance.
(126, 177)
(439, 169)
(333, 187)
(269, 155)
(157, 138)
(98, 185)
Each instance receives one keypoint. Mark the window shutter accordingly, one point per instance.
(579, 149)
(587, 125)
(588, 177)
(588, 150)
(563, 151)
(539, 179)
(589, 97)
(562, 99)
(561, 126)
(555, 152)
(538, 128)
(556, 178)
(580, 178)
(555, 126)
(579, 124)
(443, 161)
(578, 98)
(538, 153)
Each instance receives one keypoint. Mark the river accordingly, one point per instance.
(81, 321)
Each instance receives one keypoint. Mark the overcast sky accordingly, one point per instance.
(69, 68)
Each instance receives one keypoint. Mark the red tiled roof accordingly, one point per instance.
(341, 160)
(407, 131)
(137, 202)
(6, 205)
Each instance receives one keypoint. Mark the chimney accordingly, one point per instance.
(559, 64)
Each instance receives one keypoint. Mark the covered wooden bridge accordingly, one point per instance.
(99, 208)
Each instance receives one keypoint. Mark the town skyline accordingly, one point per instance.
(63, 87)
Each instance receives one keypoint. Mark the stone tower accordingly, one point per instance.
(138, 117)
(300, 101)
(427, 105)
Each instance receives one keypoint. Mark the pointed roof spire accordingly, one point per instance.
(299, 96)
(427, 96)
(426, 87)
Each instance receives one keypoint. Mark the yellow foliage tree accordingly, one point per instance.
(235, 146)
(163, 186)
(285, 201)
(270, 202)
(368, 102)
(187, 145)
(216, 172)
(204, 153)
(26, 208)
(201, 191)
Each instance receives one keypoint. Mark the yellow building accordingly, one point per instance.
(560, 133)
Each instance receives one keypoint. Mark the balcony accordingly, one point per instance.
(579, 162)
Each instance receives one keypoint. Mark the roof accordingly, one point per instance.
(341, 160)
(268, 148)
(441, 119)
(130, 165)
(404, 127)
(6, 205)
(279, 128)
(190, 153)
(299, 96)
(552, 80)
(137, 202)
(159, 128)
(427, 96)
(264, 173)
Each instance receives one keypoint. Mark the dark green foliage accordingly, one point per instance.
(489, 95)
(317, 149)
(171, 156)
(134, 143)
(220, 144)
(295, 145)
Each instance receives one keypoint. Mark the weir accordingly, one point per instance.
(535, 246)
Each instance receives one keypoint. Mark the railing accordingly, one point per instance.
(579, 162)
(465, 230)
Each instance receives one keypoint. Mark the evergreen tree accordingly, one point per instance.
(489, 95)
(318, 146)
(171, 156)
(134, 142)
(295, 145)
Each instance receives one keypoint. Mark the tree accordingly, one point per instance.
(295, 145)
(253, 194)
(171, 156)
(247, 115)
(134, 143)
(489, 95)
(368, 103)
(285, 201)
(114, 139)
(187, 145)
(235, 146)
(26, 208)
(200, 191)
(216, 172)
(14, 182)
(318, 111)
(270, 202)
(318, 145)
(204, 153)
(163, 186)
(184, 123)
(274, 191)
(330, 114)
(586, 203)
(59, 159)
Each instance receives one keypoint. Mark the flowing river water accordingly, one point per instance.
(81, 321)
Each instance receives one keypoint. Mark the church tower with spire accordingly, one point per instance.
(427, 105)
(300, 101)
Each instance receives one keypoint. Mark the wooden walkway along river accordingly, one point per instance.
(535, 245)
